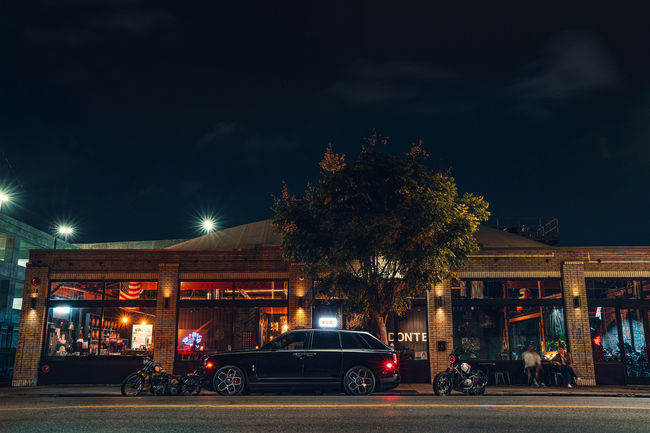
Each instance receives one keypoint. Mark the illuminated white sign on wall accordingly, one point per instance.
(328, 322)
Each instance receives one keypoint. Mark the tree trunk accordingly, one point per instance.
(380, 320)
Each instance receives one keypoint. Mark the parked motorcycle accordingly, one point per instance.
(459, 377)
(134, 383)
(160, 382)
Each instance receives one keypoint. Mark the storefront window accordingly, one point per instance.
(604, 334)
(634, 342)
(77, 291)
(223, 329)
(79, 331)
(93, 290)
(409, 337)
(130, 290)
(508, 289)
(617, 288)
(206, 290)
(503, 333)
(261, 289)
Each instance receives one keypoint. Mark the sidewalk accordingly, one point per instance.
(403, 389)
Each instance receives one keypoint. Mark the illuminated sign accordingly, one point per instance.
(328, 322)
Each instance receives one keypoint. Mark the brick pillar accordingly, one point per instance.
(300, 287)
(440, 326)
(30, 332)
(577, 321)
(164, 329)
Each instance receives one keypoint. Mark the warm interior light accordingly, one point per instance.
(125, 319)
(144, 322)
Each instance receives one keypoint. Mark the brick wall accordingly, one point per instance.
(440, 326)
(300, 288)
(164, 330)
(577, 321)
(30, 334)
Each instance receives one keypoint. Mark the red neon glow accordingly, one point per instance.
(597, 340)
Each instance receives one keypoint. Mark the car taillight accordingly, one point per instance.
(389, 365)
(394, 358)
(208, 365)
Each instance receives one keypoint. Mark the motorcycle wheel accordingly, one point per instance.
(442, 384)
(133, 385)
(190, 385)
(480, 390)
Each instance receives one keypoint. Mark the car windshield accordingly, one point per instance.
(289, 341)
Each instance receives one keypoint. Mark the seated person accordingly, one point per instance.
(564, 364)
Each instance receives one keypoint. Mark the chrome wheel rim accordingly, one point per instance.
(359, 381)
(229, 381)
(133, 386)
(443, 384)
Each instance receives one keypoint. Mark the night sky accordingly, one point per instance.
(132, 118)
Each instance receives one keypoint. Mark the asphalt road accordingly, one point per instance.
(310, 413)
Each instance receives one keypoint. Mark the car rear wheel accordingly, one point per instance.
(359, 380)
(229, 380)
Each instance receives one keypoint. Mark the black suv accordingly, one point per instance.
(307, 359)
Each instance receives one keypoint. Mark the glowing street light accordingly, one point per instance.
(64, 231)
(3, 198)
(208, 225)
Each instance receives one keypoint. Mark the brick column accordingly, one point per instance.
(577, 321)
(164, 329)
(440, 326)
(300, 290)
(30, 333)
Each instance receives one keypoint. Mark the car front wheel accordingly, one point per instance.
(229, 380)
(359, 380)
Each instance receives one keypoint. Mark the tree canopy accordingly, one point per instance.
(380, 229)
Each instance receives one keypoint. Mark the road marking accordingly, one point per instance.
(323, 406)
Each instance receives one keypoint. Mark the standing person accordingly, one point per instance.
(533, 365)
(564, 364)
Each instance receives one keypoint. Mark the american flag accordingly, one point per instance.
(130, 292)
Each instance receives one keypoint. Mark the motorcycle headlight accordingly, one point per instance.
(157, 369)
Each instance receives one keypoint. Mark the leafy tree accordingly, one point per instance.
(381, 229)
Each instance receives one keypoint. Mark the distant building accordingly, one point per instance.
(16, 240)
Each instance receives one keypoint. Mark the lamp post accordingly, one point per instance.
(3, 198)
(65, 231)
(207, 225)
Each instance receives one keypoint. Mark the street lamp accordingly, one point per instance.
(64, 231)
(3, 198)
(208, 225)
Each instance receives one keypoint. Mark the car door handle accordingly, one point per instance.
(298, 355)
(310, 354)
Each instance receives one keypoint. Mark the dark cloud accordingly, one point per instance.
(218, 133)
(572, 63)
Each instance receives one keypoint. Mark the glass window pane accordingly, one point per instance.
(206, 290)
(350, 340)
(128, 331)
(130, 290)
(292, 341)
(614, 288)
(76, 291)
(73, 331)
(6, 248)
(204, 328)
(273, 323)
(636, 354)
(510, 289)
(373, 342)
(481, 333)
(325, 340)
(604, 334)
(261, 289)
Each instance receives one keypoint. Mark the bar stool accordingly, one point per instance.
(555, 376)
(503, 376)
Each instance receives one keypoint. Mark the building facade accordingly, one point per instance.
(88, 316)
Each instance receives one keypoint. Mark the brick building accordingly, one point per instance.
(90, 315)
